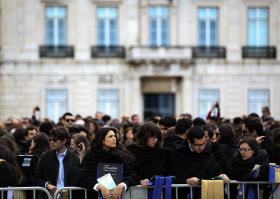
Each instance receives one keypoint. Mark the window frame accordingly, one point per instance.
(66, 90)
(159, 21)
(208, 30)
(107, 40)
(267, 90)
(117, 92)
(64, 43)
(199, 100)
(257, 29)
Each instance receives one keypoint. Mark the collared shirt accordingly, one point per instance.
(60, 177)
(191, 148)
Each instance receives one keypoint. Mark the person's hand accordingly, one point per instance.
(51, 188)
(260, 139)
(225, 177)
(2, 161)
(193, 181)
(104, 191)
(118, 191)
(144, 182)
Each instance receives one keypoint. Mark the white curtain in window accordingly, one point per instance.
(55, 25)
(206, 99)
(107, 26)
(158, 26)
(257, 100)
(56, 103)
(108, 102)
(258, 26)
(208, 26)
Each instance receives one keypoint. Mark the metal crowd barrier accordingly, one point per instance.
(69, 192)
(17, 195)
(138, 192)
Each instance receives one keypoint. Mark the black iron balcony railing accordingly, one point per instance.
(107, 51)
(266, 52)
(56, 51)
(208, 52)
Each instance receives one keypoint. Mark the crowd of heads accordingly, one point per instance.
(31, 136)
(215, 128)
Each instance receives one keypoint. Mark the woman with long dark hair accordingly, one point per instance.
(106, 148)
(151, 158)
(39, 144)
(225, 135)
(9, 171)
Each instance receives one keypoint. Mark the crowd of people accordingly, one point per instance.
(190, 149)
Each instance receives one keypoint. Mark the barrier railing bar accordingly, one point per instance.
(70, 189)
(146, 193)
(258, 189)
(70, 194)
(191, 193)
(2, 189)
(243, 190)
(176, 192)
(228, 190)
(34, 194)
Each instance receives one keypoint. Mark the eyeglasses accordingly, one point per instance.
(199, 145)
(154, 138)
(53, 139)
(69, 120)
(244, 150)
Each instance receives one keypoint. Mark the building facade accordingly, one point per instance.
(151, 57)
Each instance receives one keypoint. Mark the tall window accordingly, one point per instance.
(108, 102)
(107, 26)
(206, 99)
(158, 26)
(258, 98)
(208, 26)
(56, 103)
(55, 25)
(258, 26)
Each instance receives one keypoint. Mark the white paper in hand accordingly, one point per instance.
(107, 181)
(256, 167)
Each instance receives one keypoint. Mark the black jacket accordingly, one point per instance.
(174, 142)
(185, 164)
(273, 151)
(7, 175)
(88, 168)
(149, 161)
(240, 169)
(217, 151)
(48, 167)
(229, 147)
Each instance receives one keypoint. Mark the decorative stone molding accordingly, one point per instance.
(54, 2)
(107, 1)
(158, 2)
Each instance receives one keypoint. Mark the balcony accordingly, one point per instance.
(159, 54)
(107, 51)
(56, 51)
(266, 52)
(209, 52)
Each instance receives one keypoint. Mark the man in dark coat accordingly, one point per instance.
(180, 138)
(194, 161)
(57, 166)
